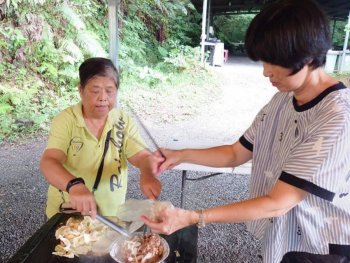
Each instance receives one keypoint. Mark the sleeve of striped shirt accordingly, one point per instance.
(247, 139)
(320, 164)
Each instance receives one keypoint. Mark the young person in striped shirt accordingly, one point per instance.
(299, 145)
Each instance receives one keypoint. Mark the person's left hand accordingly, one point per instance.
(148, 164)
(170, 219)
(149, 183)
(150, 186)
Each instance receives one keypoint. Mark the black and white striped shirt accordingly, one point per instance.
(308, 147)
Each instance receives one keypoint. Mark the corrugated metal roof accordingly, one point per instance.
(336, 9)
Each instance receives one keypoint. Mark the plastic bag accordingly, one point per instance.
(132, 210)
(102, 246)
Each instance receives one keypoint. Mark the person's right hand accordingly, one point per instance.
(82, 200)
(172, 158)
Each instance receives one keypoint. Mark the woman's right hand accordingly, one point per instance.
(172, 158)
(82, 200)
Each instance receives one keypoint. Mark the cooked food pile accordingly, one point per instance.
(77, 236)
(143, 249)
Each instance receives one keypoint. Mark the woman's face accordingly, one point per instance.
(280, 77)
(98, 96)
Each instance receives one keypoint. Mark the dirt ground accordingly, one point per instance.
(243, 91)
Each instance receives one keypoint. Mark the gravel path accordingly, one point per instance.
(242, 93)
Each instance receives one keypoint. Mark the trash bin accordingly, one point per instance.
(331, 60)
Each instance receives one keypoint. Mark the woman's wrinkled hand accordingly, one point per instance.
(169, 220)
(82, 200)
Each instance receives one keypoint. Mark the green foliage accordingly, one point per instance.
(87, 40)
(43, 42)
(72, 17)
(24, 111)
(338, 33)
(72, 54)
(232, 29)
(11, 41)
(145, 61)
(179, 58)
(17, 39)
(16, 106)
(20, 8)
(186, 30)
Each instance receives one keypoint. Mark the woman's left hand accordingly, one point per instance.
(150, 186)
(148, 164)
(171, 219)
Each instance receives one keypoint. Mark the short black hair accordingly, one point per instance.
(97, 66)
(291, 34)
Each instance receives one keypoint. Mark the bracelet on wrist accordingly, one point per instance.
(201, 221)
(73, 182)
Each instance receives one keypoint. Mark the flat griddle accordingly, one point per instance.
(38, 249)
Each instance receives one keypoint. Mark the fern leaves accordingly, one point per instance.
(87, 40)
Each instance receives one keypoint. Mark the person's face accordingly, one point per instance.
(280, 77)
(98, 96)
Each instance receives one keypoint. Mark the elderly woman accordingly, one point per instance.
(85, 161)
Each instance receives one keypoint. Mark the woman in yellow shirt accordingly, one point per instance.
(85, 161)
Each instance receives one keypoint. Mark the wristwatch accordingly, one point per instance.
(74, 181)
(201, 221)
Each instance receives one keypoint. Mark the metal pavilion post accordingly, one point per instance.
(203, 36)
(113, 6)
(345, 45)
(209, 20)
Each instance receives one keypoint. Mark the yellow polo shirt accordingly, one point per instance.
(84, 153)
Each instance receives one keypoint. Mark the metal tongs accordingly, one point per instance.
(147, 131)
(146, 229)
(67, 209)
(112, 225)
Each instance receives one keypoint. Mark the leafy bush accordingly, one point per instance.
(338, 34)
(43, 42)
(232, 29)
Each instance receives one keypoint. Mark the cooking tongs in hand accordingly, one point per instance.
(146, 130)
(67, 209)
(112, 225)
(146, 228)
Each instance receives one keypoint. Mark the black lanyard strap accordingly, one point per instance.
(100, 169)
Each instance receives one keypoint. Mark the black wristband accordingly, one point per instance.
(74, 181)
